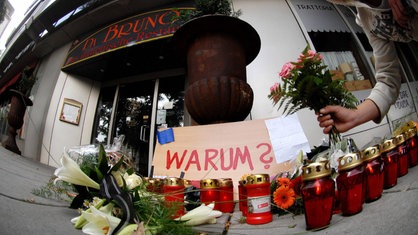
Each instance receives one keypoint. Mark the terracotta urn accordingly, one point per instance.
(217, 49)
(18, 104)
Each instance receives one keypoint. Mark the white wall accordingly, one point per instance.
(47, 74)
(59, 135)
(281, 41)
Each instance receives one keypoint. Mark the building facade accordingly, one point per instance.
(106, 68)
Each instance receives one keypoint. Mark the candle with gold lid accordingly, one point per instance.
(209, 192)
(411, 144)
(259, 200)
(318, 191)
(374, 177)
(226, 195)
(403, 155)
(390, 158)
(350, 183)
(173, 189)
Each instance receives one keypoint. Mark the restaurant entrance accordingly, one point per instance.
(137, 110)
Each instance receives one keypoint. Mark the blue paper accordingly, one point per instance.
(165, 136)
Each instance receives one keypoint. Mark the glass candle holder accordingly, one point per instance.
(373, 177)
(403, 155)
(242, 197)
(209, 192)
(350, 183)
(259, 200)
(318, 191)
(226, 195)
(411, 144)
(390, 158)
(173, 189)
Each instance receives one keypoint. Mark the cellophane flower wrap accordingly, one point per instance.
(308, 83)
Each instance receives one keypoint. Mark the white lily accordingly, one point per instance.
(80, 221)
(132, 180)
(70, 172)
(201, 215)
(100, 221)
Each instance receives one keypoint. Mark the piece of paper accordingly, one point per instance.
(287, 137)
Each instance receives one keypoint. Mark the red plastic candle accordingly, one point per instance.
(242, 197)
(259, 201)
(226, 195)
(173, 190)
(373, 177)
(318, 191)
(209, 192)
(350, 183)
(390, 158)
(403, 155)
(412, 147)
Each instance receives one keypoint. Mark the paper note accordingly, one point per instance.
(287, 137)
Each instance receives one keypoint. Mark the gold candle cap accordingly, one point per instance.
(209, 183)
(371, 152)
(173, 181)
(316, 170)
(388, 145)
(242, 182)
(400, 139)
(410, 133)
(258, 179)
(349, 161)
(225, 182)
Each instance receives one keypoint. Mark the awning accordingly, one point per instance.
(319, 16)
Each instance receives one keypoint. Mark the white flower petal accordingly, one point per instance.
(71, 173)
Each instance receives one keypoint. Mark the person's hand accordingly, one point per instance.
(333, 115)
(345, 119)
(399, 12)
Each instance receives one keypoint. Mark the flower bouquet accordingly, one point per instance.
(285, 190)
(307, 83)
(113, 199)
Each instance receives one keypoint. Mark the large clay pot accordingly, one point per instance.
(217, 49)
(18, 104)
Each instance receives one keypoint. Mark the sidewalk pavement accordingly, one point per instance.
(396, 212)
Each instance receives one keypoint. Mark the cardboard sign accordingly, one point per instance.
(217, 151)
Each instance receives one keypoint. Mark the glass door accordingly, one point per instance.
(137, 110)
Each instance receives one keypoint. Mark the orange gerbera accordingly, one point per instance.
(284, 197)
(283, 181)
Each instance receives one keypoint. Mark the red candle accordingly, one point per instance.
(390, 158)
(350, 183)
(259, 200)
(403, 155)
(318, 191)
(412, 147)
(374, 177)
(173, 190)
(242, 197)
(209, 192)
(226, 195)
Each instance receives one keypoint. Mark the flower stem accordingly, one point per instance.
(334, 136)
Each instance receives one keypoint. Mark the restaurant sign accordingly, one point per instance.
(128, 32)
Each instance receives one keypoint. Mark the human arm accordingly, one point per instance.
(345, 119)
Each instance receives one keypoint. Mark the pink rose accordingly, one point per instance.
(274, 87)
(286, 70)
(311, 54)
